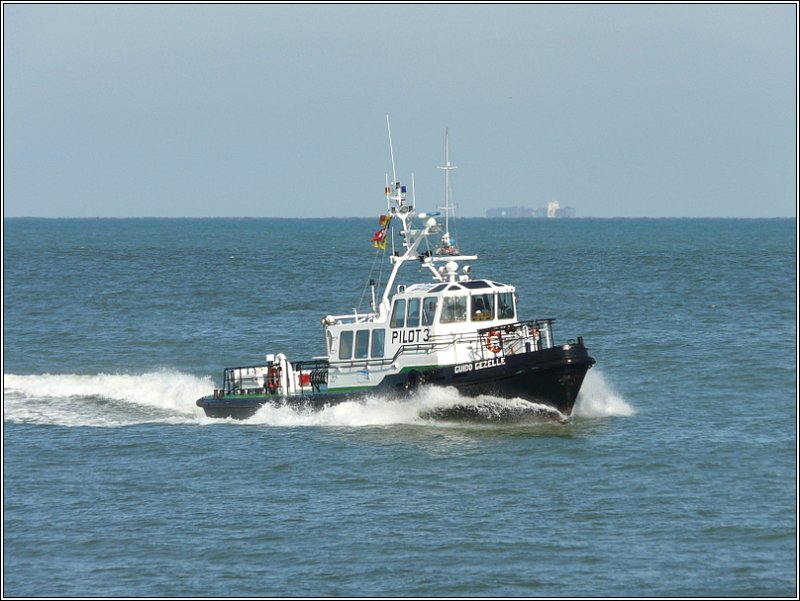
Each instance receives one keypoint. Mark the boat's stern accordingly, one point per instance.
(219, 405)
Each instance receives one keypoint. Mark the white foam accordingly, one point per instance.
(103, 399)
(421, 409)
(369, 411)
(598, 398)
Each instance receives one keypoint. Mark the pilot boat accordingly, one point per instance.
(450, 331)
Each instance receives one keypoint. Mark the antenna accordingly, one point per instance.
(391, 150)
(413, 192)
(447, 191)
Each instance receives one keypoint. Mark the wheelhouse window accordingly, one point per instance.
(454, 309)
(398, 319)
(482, 307)
(362, 344)
(476, 284)
(429, 310)
(505, 305)
(378, 339)
(346, 344)
(412, 321)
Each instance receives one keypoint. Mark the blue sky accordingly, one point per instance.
(279, 110)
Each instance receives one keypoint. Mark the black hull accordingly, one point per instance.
(550, 377)
(246, 406)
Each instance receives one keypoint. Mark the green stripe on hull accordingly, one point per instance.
(349, 389)
(405, 370)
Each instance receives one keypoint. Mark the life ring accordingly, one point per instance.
(274, 379)
(536, 334)
(495, 347)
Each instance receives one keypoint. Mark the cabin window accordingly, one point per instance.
(378, 338)
(428, 310)
(476, 284)
(398, 314)
(362, 344)
(412, 321)
(482, 307)
(505, 305)
(346, 344)
(454, 308)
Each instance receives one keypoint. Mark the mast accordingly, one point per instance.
(447, 243)
(412, 237)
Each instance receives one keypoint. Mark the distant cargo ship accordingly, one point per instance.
(553, 210)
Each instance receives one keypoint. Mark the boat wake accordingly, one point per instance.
(103, 400)
(113, 400)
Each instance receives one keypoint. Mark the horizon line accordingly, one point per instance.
(370, 217)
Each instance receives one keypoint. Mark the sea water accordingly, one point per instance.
(676, 477)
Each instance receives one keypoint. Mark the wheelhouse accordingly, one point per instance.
(423, 323)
